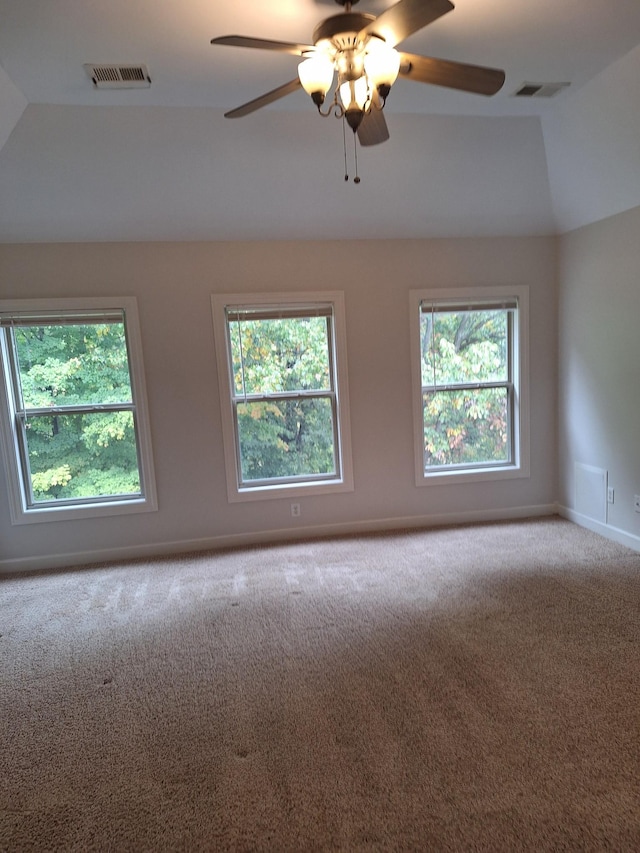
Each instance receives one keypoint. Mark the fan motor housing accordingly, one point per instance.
(342, 31)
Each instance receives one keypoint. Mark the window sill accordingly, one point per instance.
(37, 515)
(507, 472)
(289, 490)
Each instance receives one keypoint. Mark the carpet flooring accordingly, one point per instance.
(460, 689)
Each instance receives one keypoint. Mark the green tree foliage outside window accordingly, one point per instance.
(284, 396)
(86, 446)
(466, 386)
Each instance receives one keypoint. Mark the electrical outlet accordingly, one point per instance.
(636, 503)
(295, 510)
(610, 495)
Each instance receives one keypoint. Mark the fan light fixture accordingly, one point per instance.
(364, 71)
(360, 49)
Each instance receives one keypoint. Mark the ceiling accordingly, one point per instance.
(162, 163)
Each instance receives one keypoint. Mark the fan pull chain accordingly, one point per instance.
(344, 148)
(356, 179)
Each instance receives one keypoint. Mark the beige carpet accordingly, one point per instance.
(458, 689)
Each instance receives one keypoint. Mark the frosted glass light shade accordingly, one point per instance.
(381, 63)
(354, 94)
(316, 74)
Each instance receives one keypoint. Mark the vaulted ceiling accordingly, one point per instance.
(80, 163)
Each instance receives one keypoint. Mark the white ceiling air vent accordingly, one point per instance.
(118, 76)
(539, 90)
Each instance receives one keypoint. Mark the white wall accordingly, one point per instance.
(599, 364)
(12, 105)
(83, 174)
(591, 142)
(173, 283)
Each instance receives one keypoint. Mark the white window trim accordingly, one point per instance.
(21, 513)
(344, 482)
(519, 468)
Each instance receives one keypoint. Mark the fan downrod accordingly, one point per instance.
(347, 3)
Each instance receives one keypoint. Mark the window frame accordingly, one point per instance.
(467, 298)
(293, 305)
(14, 446)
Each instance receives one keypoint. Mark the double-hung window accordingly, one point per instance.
(282, 372)
(75, 432)
(470, 385)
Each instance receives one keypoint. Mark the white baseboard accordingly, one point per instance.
(265, 537)
(606, 530)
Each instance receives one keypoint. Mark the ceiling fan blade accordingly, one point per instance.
(264, 44)
(453, 75)
(373, 129)
(263, 100)
(399, 21)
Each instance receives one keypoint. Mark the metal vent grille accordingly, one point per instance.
(118, 76)
(539, 90)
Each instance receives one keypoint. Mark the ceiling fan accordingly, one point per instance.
(361, 48)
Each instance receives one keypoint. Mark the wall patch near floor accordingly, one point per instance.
(591, 492)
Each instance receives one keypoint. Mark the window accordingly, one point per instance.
(469, 350)
(283, 381)
(75, 433)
